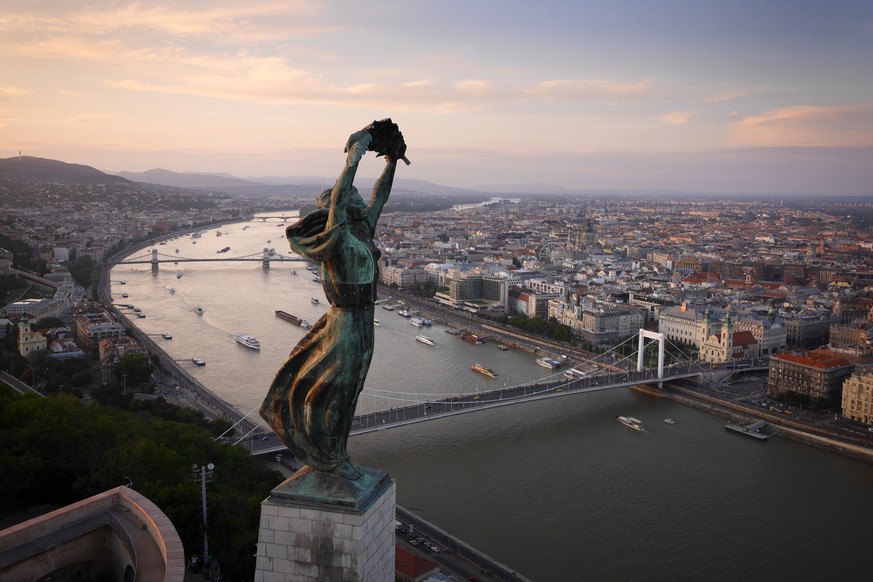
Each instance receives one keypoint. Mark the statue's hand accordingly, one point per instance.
(357, 146)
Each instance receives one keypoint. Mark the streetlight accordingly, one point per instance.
(204, 474)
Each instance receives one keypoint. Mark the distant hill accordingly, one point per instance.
(29, 168)
(275, 185)
(187, 180)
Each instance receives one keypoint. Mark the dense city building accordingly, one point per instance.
(858, 396)
(817, 375)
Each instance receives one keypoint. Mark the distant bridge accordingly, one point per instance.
(155, 258)
(276, 218)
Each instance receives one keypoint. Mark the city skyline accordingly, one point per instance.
(718, 97)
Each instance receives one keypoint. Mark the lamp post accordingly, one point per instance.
(204, 474)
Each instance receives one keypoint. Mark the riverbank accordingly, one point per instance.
(830, 440)
(179, 387)
(793, 430)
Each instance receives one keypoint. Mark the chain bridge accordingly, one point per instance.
(155, 258)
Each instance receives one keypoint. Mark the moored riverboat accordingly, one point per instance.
(293, 319)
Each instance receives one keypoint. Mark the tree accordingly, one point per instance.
(48, 323)
(133, 370)
(57, 450)
(82, 270)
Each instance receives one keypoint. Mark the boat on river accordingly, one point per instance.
(425, 340)
(551, 363)
(474, 338)
(574, 374)
(753, 430)
(198, 310)
(314, 301)
(293, 319)
(631, 422)
(417, 322)
(248, 341)
(166, 335)
(198, 361)
(483, 370)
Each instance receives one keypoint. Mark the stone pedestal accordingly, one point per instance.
(318, 526)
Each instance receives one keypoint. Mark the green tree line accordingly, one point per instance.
(57, 450)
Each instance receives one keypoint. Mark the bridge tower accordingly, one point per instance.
(266, 260)
(155, 260)
(651, 335)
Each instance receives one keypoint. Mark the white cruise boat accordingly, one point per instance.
(248, 341)
(425, 340)
(631, 422)
(549, 363)
(199, 361)
(416, 321)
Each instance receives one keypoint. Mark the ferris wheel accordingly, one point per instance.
(551, 253)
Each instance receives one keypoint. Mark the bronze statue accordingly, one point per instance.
(311, 402)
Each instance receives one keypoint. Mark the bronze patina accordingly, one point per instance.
(312, 400)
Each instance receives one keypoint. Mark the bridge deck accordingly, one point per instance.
(426, 411)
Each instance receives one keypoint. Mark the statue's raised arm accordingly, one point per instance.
(312, 400)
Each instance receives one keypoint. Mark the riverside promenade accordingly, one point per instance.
(181, 388)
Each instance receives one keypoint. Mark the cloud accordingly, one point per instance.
(251, 21)
(585, 89)
(803, 125)
(13, 91)
(677, 117)
(472, 86)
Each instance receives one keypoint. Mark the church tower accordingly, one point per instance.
(727, 337)
(707, 325)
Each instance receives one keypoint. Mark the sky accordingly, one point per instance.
(765, 96)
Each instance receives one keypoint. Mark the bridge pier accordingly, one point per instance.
(651, 335)
(155, 261)
(265, 263)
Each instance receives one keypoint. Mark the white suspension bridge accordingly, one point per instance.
(646, 363)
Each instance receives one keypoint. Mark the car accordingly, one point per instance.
(413, 542)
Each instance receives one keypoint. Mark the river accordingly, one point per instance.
(556, 489)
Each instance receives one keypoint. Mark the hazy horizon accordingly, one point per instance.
(720, 96)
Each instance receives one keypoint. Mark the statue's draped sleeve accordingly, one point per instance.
(310, 238)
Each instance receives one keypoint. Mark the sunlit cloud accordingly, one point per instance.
(585, 89)
(13, 91)
(254, 22)
(87, 118)
(471, 86)
(846, 126)
(677, 117)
